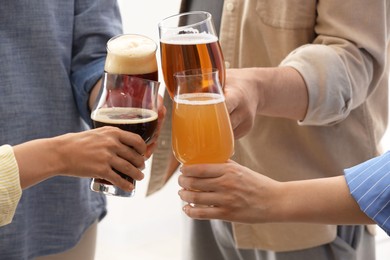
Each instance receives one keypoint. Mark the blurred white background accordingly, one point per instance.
(149, 228)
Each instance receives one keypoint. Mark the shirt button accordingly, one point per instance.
(227, 64)
(230, 7)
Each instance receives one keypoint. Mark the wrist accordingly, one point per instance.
(59, 154)
(282, 93)
(259, 81)
(282, 207)
(37, 161)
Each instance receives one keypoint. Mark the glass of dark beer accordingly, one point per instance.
(189, 41)
(128, 97)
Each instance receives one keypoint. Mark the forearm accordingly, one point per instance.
(283, 93)
(319, 201)
(94, 94)
(37, 160)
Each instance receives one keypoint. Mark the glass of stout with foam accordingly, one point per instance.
(128, 97)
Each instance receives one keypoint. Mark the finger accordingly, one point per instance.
(149, 151)
(203, 213)
(161, 119)
(133, 140)
(230, 97)
(240, 124)
(118, 181)
(154, 139)
(161, 113)
(231, 104)
(127, 168)
(161, 108)
(234, 119)
(200, 184)
(203, 170)
(132, 156)
(239, 132)
(202, 198)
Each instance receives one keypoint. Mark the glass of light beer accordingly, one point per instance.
(189, 41)
(201, 129)
(128, 97)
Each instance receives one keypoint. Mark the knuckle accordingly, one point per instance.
(103, 171)
(108, 156)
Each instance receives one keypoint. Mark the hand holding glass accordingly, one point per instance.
(129, 103)
(129, 94)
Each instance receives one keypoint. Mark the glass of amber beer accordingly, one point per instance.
(189, 41)
(201, 129)
(128, 97)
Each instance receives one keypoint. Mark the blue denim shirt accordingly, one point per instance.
(52, 52)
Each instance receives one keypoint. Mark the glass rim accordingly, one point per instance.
(137, 78)
(208, 18)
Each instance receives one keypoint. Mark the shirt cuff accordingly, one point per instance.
(83, 81)
(328, 88)
(368, 183)
(10, 190)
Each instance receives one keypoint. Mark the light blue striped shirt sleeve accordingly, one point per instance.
(369, 184)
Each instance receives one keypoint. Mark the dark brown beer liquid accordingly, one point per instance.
(136, 120)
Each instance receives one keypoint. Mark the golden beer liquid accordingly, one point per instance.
(201, 130)
(190, 51)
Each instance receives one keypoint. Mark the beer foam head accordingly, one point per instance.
(123, 115)
(199, 99)
(190, 38)
(131, 54)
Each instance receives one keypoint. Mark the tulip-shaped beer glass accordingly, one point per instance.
(201, 129)
(129, 94)
(189, 41)
(129, 103)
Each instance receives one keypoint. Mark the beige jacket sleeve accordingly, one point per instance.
(346, 59)
(10, 190)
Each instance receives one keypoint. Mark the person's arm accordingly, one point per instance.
(276, 92)
(89, 49)
(326, 200)
(321, 82)
(239, 194)
(92, 153)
